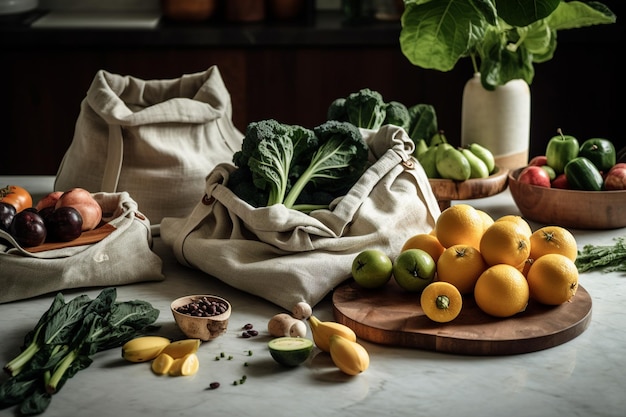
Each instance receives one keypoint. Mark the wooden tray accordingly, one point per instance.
(447, 190)
(392, 316)
(86, 238)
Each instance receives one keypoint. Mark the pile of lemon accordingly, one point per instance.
(501, 262)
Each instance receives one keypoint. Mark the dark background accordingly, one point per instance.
(287, 71)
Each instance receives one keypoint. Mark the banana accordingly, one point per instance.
(484, 154)
(478, 168)
(350, 357)
(452, 164)
(144, 348)
(181, 348)
(323, 330)
(427, 161)
(187, 365)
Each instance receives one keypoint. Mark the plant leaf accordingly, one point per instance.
(576, 14)
(436, 34)
(525, 12)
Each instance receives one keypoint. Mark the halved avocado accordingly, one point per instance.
(290, 351)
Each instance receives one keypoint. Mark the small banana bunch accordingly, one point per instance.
(340, 341)
(176, 358)
(442, 160)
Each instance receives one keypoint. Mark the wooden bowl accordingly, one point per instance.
(447, 190)
(204, 328)
(569, 208)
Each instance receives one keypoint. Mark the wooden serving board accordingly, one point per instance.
(86, 238)
(392, 316)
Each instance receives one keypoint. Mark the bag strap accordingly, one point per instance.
(115, 157)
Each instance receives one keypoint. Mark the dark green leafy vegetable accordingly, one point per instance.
(300, 168)
(366, 109)
(63, 341)
(397, 114)
(608, 258)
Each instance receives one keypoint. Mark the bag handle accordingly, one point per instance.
(115, 157)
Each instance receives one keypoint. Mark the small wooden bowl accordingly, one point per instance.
(447, 190)
(200, 327)
(569, 208)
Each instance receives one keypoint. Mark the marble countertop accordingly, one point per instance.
(582, 377)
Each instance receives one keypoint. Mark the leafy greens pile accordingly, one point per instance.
(63, 341)
(367, 109)
(301, 168)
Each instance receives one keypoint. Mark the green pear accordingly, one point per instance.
(478, 167)
(428, 162)
(452, 164)
(420, 147)
(438, 138)
(484, 154)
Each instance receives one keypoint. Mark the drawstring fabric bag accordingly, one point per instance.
(286, 256)
(156, 139)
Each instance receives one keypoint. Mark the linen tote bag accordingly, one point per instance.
(287, 256)
(156, 139)
(122, 257)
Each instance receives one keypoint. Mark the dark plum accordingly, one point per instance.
(64, 224)
(28, 228)
(7, 212)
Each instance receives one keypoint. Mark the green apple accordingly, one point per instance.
(414, 269)
(372, 268)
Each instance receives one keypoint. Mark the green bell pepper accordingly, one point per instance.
(582, 174)
(560, 150)
(599, 151)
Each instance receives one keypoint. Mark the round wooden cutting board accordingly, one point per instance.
(392, 316)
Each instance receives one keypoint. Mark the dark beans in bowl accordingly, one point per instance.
(203, 307)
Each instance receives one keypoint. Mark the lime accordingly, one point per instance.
(290, 351)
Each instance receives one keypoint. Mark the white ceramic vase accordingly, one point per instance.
(498, 120)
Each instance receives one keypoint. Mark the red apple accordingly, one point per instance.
(538, 160)
(616, 177)
(560, 182)
(534, 175)
(49, 200)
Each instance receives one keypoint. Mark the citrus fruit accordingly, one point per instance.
(518, 220)
(553, 279)
(487, 219)
(441, 301)
(290, 351)
(501, 291)
(461, 265)
(426, 242)
(372, 268)
(505, 242)
(553, 239)
(459, 224)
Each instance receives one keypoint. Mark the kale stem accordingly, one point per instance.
(59, 371)
(14, 366)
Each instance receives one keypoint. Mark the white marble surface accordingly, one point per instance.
(583, 377)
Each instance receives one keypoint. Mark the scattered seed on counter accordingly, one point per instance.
(247, 326)
(213, 385)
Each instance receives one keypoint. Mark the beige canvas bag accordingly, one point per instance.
(287, 256)
(123, 257)
(156, 139)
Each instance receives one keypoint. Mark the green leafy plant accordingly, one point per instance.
(301, 168)
(503, 38)
(63, 341)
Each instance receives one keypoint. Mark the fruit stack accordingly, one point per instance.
(501, 263)
(590, 166)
